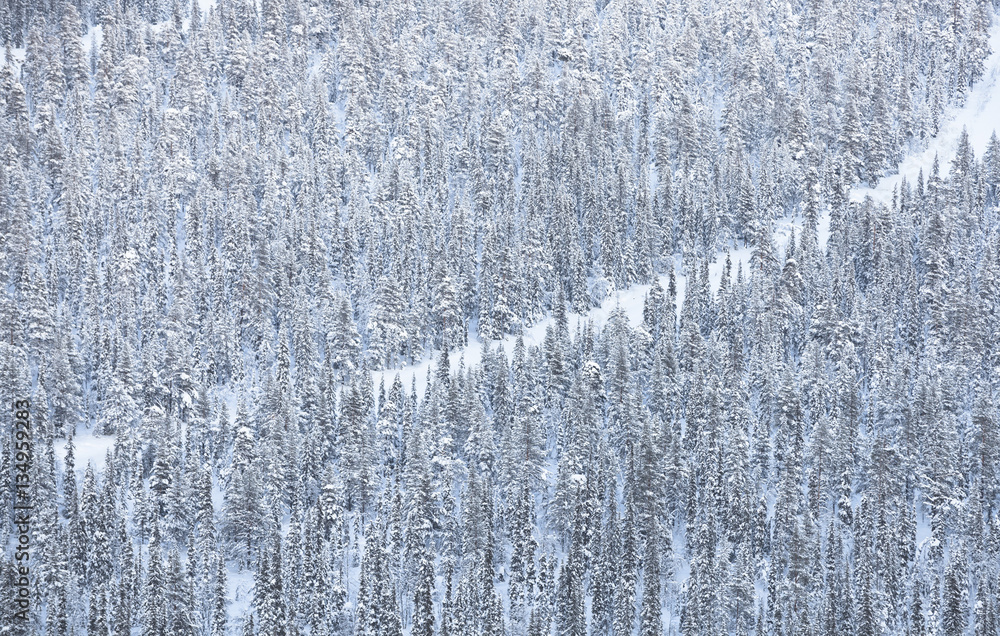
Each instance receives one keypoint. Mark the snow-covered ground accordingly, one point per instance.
(87, 448)
(16, 57)
(979, 115)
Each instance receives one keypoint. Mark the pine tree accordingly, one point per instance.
(571, 618)
(220, 603)
(651, 621)
(954, 615)
(243, 507)
(423, 605)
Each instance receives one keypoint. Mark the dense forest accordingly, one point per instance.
(225, 227)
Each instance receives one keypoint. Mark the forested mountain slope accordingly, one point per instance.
(730, 399)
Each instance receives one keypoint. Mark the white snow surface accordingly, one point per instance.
(979, 115)
(16, 57)
(94, 36)
(88, 447)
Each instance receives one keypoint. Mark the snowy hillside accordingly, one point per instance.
(700, 378)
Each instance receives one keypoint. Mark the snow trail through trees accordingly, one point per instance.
(979, 116)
